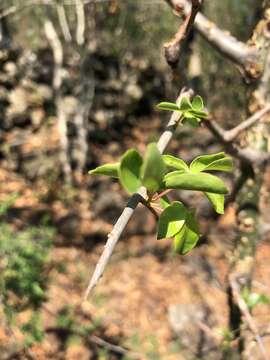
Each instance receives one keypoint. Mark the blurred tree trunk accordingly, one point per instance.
(248, 200)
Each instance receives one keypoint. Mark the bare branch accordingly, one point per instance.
(63, 22)
(133, 202)
(237, 51)
(228, 136)
(80, 22)
(172, 47)
(246, 313)
(57, 50)
(232, 134)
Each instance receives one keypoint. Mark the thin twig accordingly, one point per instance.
(63, 22)
(133, 202)
(246, 313)
(114, 348)
(79, 5)
(228, 136)
(172, 47)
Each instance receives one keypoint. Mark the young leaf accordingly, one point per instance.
(129, 170)
(192, 121)
(107, 169)
(168, 106)
(225, 164)
(153, 168)
(200, 182)
(199, 114)
(185, 104)
(171, 220)
(217, 200)
(188, 236)
(197, 103)
(164, 202)
(173, 162)
(201, 162)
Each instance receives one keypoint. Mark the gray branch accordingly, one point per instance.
(237, 51)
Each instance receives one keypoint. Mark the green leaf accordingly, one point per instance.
(185, 104)
(217, 200)
(171, 220)
(188, 236)
(197, 103)
(192, 121)
(129, 170)
(153, 169)
(173, 162)
(199, 114)
(254, 299)
(164, 202)
(201, 162)
(200, 182)
(225, 164)
(107, 169)
(168, 106)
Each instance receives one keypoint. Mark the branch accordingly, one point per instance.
(237, 51)
(227, 137)
(58, 55)
(245, 312)
(80, 22)
(133, 202)
(63, 22)
(172, 48)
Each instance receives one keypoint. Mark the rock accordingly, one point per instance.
(134, 91)
(184, 320)
(18, 101)
(10, 68)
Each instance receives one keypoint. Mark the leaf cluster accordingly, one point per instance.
(192, 113)
(163, 173)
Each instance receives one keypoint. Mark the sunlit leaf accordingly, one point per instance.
(129, 170)
(168, 106)
(201, 162)
(217, 200)
(185, 104)
(199, 114)
(164, 201)
(153, 168)
(197, 103)
(171, 220)
(225, 164)
(175, 163)
(187, 238)
(200, 182)
(107, 169)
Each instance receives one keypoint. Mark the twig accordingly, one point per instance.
(172, 48)
(135, 199)
(117, 349)
(114, 348)
(79, 5)
(245, 312)
(57, 49)
(240, 53)
(63, 22)
(228, 136)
